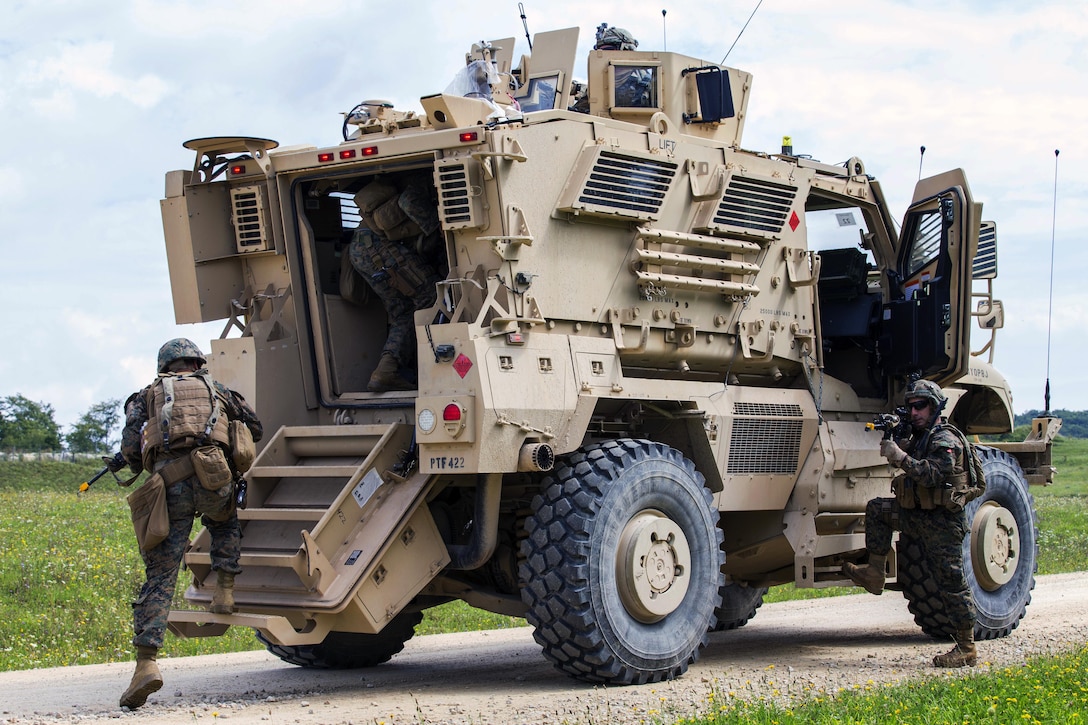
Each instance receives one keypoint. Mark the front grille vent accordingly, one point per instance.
(764, 446)
(754, 204)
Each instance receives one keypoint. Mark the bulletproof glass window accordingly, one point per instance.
(925, 240)
(634, 86)
(540, 93)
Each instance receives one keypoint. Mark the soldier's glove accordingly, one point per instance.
(890, 450)
(116, 463)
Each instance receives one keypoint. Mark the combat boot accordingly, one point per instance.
(223, 597)
(387, 376)
(870, 576)
(963, 654)
(145, 680)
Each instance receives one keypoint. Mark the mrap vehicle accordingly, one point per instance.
(640, 397)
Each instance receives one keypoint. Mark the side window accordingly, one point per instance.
(924, 240)
(635, 86)
(540, 94)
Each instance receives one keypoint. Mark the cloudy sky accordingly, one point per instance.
(96, 99)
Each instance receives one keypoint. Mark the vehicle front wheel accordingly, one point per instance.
(622, 563)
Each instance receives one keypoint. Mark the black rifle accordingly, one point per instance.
(113, 465)
(893, 424)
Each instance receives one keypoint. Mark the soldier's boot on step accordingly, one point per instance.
(963, 654)
(223, 596)
(387, 376)
(870, 576)
(145, 680)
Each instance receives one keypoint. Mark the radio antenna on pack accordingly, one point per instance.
(741, 32)
(525, 24)
(664, 32)
(1050, 309)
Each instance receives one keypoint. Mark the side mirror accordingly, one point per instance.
(990, 314)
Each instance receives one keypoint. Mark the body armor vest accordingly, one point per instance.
(184, 411)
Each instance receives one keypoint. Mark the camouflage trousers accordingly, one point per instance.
(184, 500)
(940, 532)
(402, 280)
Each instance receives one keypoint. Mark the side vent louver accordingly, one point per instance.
(766, 439)
(985, 262)
(756, 206)
(460, 202)
(609, 184)
(249, 212)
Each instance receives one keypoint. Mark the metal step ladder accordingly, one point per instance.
(325, 507)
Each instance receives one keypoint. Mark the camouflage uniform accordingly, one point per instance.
(184, 500)
(404, 282)
(933, 456)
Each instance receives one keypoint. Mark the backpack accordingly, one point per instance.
(974, 484)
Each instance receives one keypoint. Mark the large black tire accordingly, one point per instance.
(622, 563)
(739, 604)
(350, 650)
(1000, 556)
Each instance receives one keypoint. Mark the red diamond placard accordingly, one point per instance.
(462, 365)
(794, 221)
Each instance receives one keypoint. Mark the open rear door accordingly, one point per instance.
(926, 323)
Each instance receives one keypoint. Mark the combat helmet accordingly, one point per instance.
(179, 348)
(927, 390)
(614, 39)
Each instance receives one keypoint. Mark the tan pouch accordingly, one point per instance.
(373, 195)
(904, 492)
(211, 467)
(926, 498)
(150, 519)
(241, 446)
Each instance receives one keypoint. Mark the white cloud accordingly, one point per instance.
(86, 69)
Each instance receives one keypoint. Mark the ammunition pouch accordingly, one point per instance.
(211, 467)
(150, 518)
(242, 449)
(405, 279)
(903, 488)
(927, 497)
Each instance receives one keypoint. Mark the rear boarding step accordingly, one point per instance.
(330, 533)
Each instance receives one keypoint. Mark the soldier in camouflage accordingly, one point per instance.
(185, 499)
(393, 250)
(930, 458)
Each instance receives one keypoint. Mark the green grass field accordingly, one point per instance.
(69, 566)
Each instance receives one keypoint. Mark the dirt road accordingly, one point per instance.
(794, 648)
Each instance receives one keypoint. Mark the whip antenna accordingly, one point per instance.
(525, 24)
(1050, 309)
(664, 32)
(921, 155)
(741, 32)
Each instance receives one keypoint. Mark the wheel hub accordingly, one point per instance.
(994, 543)
(653, 564)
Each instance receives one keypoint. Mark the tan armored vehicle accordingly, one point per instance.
(640, 396)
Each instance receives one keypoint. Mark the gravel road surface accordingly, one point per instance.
(500, 676)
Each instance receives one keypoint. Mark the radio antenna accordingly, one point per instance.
(1050, 309)
(741, 32)
(525, 24)
(921, 155)
(664, 32)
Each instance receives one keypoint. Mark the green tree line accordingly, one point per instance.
(29, 426)
(1074, 422)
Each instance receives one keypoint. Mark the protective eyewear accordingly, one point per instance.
(918, 404)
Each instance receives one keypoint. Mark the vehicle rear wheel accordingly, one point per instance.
(350, 650)
(739, 604)
(622, 563)
(1000, 556)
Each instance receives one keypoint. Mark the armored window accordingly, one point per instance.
(925, 240)
(540, 93)
(635, 87)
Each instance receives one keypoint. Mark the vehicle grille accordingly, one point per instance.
(621, 185)
(765, 445)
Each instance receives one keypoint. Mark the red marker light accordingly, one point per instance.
(470, 136)
(326, 157)
(451, 413)
(237, 169)
(370, 151)
(347, 154)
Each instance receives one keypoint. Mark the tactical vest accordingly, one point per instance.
(184, 411)
(960, 487)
